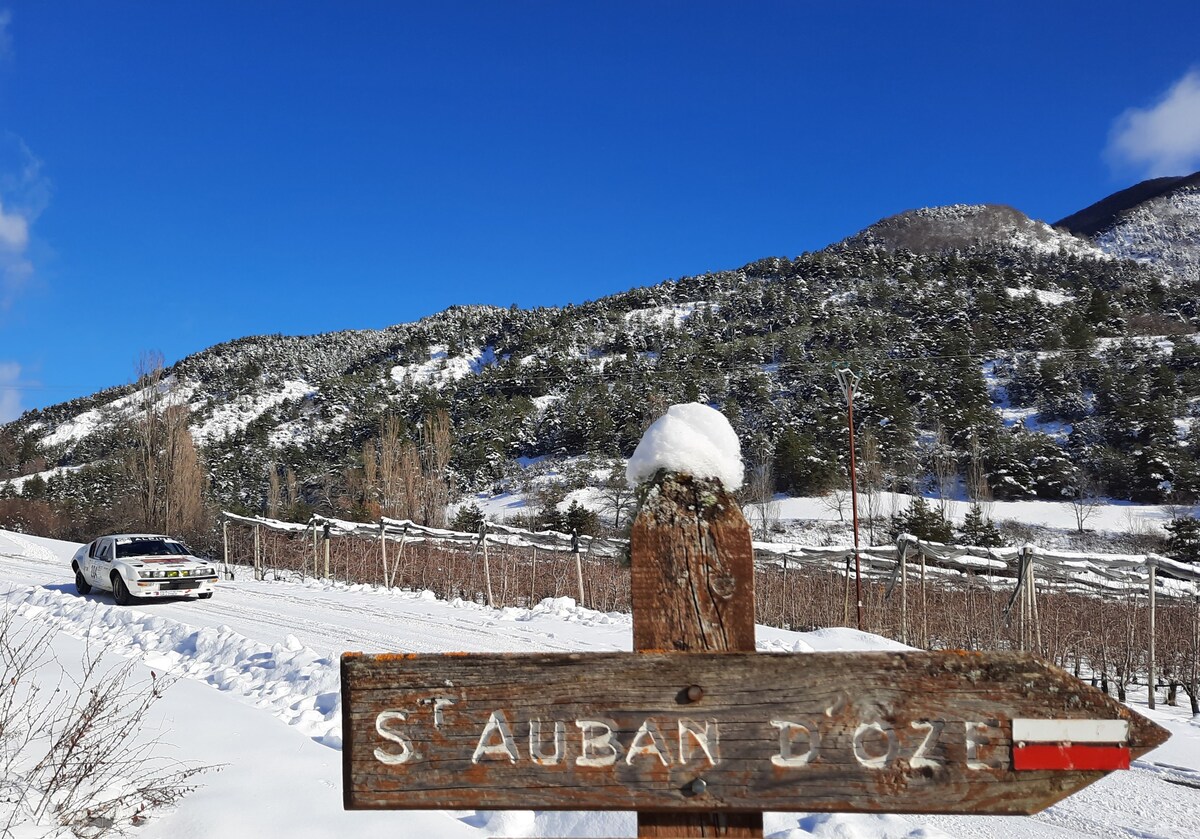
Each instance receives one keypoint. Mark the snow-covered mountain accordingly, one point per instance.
(1156, 222)
(1024, 348)
(965, 227)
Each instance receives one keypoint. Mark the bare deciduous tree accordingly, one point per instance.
(978, 488)
(273, 491)
(1084, 497)
(616, 494)
(163, 467)
(435, 463)
(763, 510)
(870, 480)
(837, 500)
(407, 480)
(945, 469)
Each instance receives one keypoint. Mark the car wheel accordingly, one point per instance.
(205, 595)
(81, 584)
(120, 592)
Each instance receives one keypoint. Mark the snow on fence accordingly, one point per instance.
(1096, 609)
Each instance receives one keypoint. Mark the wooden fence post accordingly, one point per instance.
(257, 560)
(487, 568)
(1152, 677)
(383, 552)
(904, 594)
(225, 540)
(692, 568)
(400, 555)
(533, 579)
(1033, 606)
(924, 605)
(578, 563)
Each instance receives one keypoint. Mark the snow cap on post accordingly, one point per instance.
(691, 439)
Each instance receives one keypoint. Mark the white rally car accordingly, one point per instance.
(136, 565)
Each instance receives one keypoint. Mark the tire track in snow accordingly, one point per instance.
(244, 640)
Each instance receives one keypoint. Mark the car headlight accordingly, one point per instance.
(146, 575)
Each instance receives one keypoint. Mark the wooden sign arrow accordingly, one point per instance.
(913, 732)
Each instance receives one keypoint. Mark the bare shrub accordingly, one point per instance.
(73, 760)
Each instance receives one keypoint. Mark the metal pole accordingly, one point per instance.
(849, 382)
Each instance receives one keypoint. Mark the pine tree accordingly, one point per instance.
(1183, 543)
(923, 521)
(581, 520)
(468, 519)
(979, 530)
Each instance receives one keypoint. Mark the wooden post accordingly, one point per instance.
(1195, 675)
(692, 568)
(316, 571)
(487, 568)
(788, 611)
(578, 563)
(533, 579)
(257, 560)
(225, 539)
(1151, 677)
(383, 553)
(1027, 604)
(1033, 607)
(846, 595)
(924, 607)
(328, 539)
(400, 555)
(904, 594)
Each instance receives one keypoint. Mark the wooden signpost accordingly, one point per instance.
(699, 734)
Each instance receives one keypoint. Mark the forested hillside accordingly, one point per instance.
(1019, 361)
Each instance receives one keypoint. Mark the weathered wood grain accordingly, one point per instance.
(692, 581)
(894, 732)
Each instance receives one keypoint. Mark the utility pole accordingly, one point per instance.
(849, 380)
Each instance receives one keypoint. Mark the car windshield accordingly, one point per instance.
(149, 547)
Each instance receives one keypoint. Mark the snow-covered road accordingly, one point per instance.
(272, 648)
(331, 618)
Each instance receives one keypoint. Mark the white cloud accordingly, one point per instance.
(1163, 139)
(10, 396)
(24, 193)
(5, 38)
(14, 230)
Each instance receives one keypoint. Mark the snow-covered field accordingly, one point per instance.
(258, 694)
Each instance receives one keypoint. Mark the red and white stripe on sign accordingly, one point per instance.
(1089, 745)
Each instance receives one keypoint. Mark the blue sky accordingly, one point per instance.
(174, 175)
